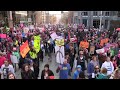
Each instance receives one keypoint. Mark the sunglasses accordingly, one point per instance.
(96, 68)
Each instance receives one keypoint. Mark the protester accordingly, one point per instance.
(114, 62)
(92, 44)
(117, 74)
(46, 73)
(77, 72)
(81, 60)
(109, 66)
(96, 72)
(2, 59)
(6, 68)
(103, 74)
(92, 65)
(31, 64)
(11, 76)
(33, 56)
(27, 73)
(82, 75)
(64, 70)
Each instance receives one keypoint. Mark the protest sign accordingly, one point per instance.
(3, 36)
(92, 49)
(37, 43)
(53, 36)
(24, 49)
(100, 51)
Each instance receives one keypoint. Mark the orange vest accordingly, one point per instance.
(84, 44)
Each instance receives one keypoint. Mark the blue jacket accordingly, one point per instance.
(64, 71)
(90, 68)
(76, 74)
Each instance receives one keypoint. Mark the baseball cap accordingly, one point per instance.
(79, 66)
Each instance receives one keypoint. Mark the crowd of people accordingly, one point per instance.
(94, 54)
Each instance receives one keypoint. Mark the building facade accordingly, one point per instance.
(42, 17)
(93, 18)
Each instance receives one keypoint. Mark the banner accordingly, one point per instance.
(59, 53)
(24, 49)
(59, 50)
(3, 36)
(37, 43)
(59, 42)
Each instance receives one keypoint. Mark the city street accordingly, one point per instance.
(53, 67)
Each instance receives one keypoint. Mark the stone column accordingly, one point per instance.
(108, 26)
(81, 17)
(10, 19)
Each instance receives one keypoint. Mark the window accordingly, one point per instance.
(118, 13)
(102, 13)
(85, 22)
(95, 13)
(85, 13)
(107, 13)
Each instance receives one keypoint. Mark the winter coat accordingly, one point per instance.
(27, 75)
(50, 73)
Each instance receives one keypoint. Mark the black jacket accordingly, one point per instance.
(81, 62)
(27, 75)
(50, 73)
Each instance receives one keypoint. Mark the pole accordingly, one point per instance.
(100, 19)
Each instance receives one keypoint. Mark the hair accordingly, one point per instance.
(115, 74)
(11, 74)
(111, 58)
(96, 66)
(23, 68)
(104, 71)
(66, 53)
(82, 75)
(46, 65)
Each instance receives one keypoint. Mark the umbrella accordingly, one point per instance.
(118, 29)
